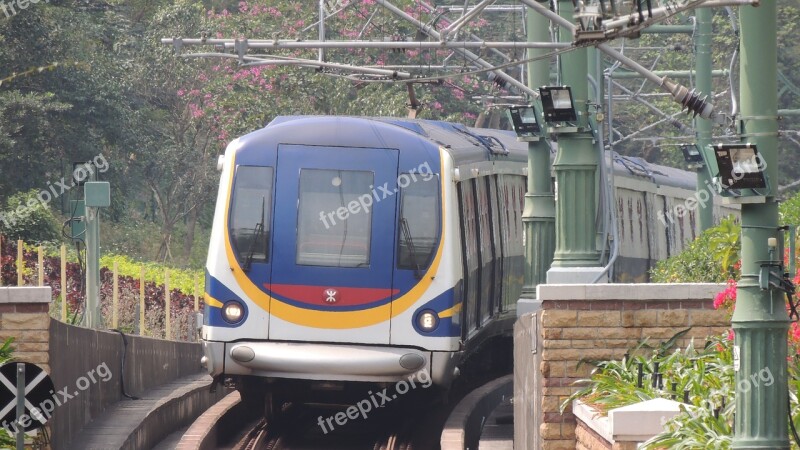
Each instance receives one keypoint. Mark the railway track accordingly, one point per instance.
(412, 422)
(396, 428)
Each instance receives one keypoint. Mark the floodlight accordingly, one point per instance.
(523, 118)
(557, 104)
(81, 173)
(692, 155)
(740, 167)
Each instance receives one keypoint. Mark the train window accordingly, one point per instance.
(332, 228)
(418, 236)
(250, 218)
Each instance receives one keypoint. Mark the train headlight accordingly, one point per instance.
(428, 320)
(233, 311)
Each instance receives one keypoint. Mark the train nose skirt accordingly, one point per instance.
(318, 359)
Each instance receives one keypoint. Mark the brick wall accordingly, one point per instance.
(587, 439)
(24, 316)
(602, 322)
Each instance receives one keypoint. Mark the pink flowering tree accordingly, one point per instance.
(237, 99)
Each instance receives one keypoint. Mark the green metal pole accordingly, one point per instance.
(576, 257)
(538, 217)
(760, 320)
(703, 126)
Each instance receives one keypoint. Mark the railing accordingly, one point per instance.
(135, 305)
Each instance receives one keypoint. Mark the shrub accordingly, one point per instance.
(710, 258)
(25, 217)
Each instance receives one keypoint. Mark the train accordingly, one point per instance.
(351, 250)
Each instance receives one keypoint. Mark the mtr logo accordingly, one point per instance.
(331, 295)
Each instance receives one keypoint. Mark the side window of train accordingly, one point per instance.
(345, 242)
(251, 213)
(420, 215)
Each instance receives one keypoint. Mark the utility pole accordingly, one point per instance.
(760, 320)
(538, 217)
(97, 194)
(703, 126)
(576, 258)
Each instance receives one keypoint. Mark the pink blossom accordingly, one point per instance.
(195, 111)
(181, 92)
(243, 7)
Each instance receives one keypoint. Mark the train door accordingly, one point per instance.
(333, 244)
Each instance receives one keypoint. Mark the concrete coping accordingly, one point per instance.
(629, 291)
(25, 294)
(465, 423)
(632, 423)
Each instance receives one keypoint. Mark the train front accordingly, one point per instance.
(329, 257)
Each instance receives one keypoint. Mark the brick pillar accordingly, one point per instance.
(24, 315)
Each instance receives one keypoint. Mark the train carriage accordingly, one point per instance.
(349, 249)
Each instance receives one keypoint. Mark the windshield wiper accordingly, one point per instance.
(410, 244)
(257, 233)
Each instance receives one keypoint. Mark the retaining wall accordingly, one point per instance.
(76, 351)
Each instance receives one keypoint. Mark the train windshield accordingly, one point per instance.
(334, 221)
(250, 213)
(419, 222)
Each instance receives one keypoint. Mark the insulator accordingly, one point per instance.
(690, 100)
(693, 103)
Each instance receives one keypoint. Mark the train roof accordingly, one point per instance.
(466, 145)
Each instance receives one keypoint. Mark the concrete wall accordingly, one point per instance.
(595, 322)
(75, 352)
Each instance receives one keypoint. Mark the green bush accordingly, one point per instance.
(711, 258)
(25, 217)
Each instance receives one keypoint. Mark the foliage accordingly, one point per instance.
(25, 217)
(187, 282)
(709, 258)
(614, 383)
(702, 377)
(182, 289)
